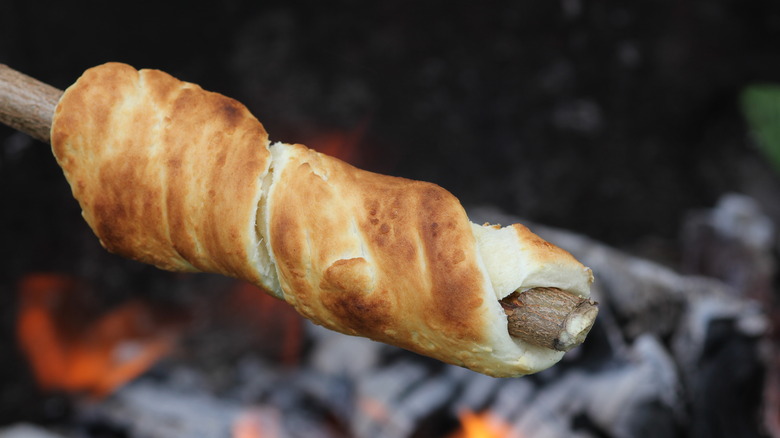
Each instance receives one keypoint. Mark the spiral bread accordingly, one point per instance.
(169, 174)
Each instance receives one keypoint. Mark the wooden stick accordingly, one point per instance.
(546, 317)
(549, 317)
(27, 104)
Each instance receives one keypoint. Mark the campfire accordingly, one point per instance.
(70, 348)
(482, 425)
(684, 345)
(225, 359)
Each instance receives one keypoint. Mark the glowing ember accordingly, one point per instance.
(258, 423)
(481, 425)
(344, 145)
(70, 351)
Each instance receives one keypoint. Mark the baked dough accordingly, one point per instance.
(169, 174)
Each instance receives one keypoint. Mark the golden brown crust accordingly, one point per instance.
(172, 175)
(165, 172)
(543, 251)
(377, 256)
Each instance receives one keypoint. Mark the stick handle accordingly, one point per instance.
(27, 104)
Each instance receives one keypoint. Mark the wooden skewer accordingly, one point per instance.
(546, 317)
(549, 317)
(27, 104)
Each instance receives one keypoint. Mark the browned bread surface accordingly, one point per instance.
(166, 173)
(172, 175)
(378, 256)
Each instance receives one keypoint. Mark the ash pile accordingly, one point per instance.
(672, 354)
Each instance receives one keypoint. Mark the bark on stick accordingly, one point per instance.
(27, 104)
(549, 317)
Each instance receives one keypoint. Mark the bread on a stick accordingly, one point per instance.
(185, 179)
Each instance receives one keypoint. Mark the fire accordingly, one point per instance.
(258, 423)
(344, 145)
(71, 352)
(481, 425)
(73, 348)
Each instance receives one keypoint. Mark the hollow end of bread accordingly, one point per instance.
(516, 260)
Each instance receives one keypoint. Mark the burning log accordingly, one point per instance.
(92, 356)
(458, 327)
(656, 383)
(481, 425)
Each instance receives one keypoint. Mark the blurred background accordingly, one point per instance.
(619, 122)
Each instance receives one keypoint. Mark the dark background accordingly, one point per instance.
(607, 118)
(610, 118)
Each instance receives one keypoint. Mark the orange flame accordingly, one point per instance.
(70, 352)
(258, 423)
(344, 145)
(481, 425)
